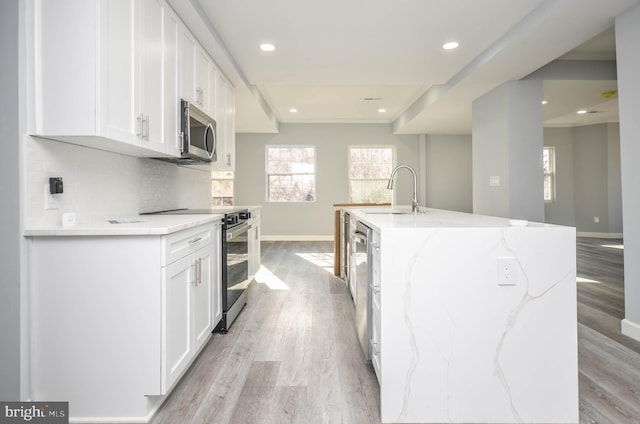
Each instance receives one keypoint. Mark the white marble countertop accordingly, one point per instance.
(381, 218)
(133, 225)
(127, 226)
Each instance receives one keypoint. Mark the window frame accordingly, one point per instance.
(314, 174)
(349, 166)
(551, 175)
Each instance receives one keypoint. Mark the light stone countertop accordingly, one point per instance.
(127, 226)
(134, 224)
(379, 218)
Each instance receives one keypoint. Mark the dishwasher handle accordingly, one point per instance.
(360, 237)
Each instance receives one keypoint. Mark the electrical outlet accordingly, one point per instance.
(50, 200)
(596, 219)
(506, 271)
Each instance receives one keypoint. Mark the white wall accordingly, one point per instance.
(99, 185)
(10, 225)
(448, 172)
(313, 220)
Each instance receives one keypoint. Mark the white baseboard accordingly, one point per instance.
(631, 329)
(296, 238)
(599, 235)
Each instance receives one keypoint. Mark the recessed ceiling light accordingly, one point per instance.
(382, 110)
(581, 112)
(293, 110)
(450, 45)
(544, 102)
(267, 47)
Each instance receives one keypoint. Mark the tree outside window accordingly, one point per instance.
(291, 173)
(221, 188)
(369, 171)
(549, 166)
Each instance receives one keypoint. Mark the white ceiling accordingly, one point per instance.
(332, 54)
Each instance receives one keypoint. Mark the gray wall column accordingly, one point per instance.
(627, 36)
(507, 142)
(10, 233)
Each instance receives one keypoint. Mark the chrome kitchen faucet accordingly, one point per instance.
(415, 207)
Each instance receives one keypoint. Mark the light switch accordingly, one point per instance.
(494, 181)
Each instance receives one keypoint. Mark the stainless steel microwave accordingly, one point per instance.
(198, 134)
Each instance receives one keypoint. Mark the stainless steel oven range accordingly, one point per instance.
(234, 259)
(235, 267)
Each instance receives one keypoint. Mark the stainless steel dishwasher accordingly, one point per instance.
(362, 237)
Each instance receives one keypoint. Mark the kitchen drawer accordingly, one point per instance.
(182, 243)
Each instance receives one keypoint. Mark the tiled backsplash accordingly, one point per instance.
(101, 185)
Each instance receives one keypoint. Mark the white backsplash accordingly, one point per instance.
(101, 185)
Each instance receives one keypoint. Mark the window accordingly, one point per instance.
(369, 171)
(291, 173)
(221, 188)
(549, 165)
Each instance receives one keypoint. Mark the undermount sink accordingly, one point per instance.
(386, 211)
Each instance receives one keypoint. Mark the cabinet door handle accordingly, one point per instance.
(140, 133)
(195, 240)
(374, 348)
(145, 123)
(199, 272)
(199, 96)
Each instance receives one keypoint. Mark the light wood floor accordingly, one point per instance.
(608, 362)
(293, 356)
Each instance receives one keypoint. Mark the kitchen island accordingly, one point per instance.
(473, 318)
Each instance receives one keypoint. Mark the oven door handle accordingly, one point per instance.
(237, 230)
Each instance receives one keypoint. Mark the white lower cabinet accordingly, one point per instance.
(253, 245)
(187, 312)
(116, 320)
(216, 275)
(376, 354)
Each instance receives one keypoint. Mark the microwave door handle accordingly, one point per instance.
(215, 141)
(206, 139)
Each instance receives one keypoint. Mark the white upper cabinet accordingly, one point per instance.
(114, 78)
(225, 121)
(149, 74)
(188, 52)
(230, 117)
(171, 104)
(205, 82)
(221, 122)
(198, 73)
(100, 82)
(204, 85)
